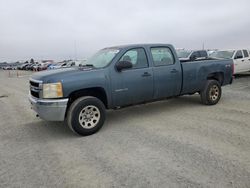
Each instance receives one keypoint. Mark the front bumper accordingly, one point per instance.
(49, 109)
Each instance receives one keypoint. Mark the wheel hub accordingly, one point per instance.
(214, 93)
(89, 117)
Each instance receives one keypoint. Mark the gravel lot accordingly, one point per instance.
(174, 143)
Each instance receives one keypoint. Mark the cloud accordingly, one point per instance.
(54, 29)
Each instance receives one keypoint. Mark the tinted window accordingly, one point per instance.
(203, 53)
(137, 57)
(162, 56)
(238, 54)
(245, 53)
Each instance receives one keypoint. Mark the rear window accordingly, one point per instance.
(245, 53)
(162, 56)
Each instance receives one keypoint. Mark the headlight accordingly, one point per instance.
(53, 90)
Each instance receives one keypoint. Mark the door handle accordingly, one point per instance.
(174, 71)
(146, 74)
(243, 60)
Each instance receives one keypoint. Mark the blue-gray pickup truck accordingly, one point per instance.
(121, 76)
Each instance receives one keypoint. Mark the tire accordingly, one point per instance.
(211, 94)
(86, 115)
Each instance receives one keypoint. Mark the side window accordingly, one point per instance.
(137, 57)
(238, 55)
(203, 53)
(245, 53)
(162, 56)
(195, 55)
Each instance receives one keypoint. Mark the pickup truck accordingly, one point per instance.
(122, 76)
(241, 59)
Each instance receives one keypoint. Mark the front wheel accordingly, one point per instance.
(211, 94)
(86, 115)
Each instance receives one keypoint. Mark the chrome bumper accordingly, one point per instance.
(49, 109)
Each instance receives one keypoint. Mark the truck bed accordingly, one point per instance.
(195, 73)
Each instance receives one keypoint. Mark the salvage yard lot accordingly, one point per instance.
(173, 143)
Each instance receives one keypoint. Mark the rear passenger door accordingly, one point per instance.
(167, 73)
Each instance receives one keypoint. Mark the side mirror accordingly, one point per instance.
(123, 65)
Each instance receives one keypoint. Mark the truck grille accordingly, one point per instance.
(35, 88)
(35, 84)
(34, 93)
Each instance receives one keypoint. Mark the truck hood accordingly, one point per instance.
(74, 79)
(56, 75)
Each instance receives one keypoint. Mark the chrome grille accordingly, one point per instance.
(35, 88)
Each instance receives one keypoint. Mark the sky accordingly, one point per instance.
(75, 29)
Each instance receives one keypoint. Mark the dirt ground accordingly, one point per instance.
(174, 143)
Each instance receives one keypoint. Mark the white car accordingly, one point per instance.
(241, 59)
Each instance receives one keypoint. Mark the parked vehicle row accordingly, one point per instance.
(10, 68)
(48, 65)
(240, 57)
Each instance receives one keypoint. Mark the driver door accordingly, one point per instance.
(134, 85)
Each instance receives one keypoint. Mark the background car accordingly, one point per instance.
(191, 55)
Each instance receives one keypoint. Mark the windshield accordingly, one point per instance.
(223, 54)
(102, 58)
(183, 53)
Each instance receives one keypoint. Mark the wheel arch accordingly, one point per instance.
(219, 76)
(97, 92)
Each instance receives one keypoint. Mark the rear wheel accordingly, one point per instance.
(211, 94)
(86, 115)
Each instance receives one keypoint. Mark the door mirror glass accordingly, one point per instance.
(121, 65)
